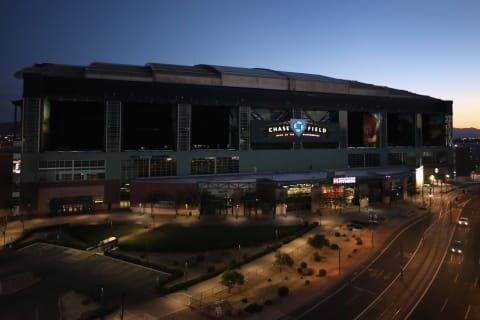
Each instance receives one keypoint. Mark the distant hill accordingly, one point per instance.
(466, 133)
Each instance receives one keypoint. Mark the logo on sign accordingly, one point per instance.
(298, 126)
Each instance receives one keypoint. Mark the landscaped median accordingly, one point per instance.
(196, 240)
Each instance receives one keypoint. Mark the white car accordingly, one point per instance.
(463, 221)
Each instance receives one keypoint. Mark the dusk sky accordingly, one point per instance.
(427, 47)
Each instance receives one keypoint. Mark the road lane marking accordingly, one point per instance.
(475, 282)
(352, 299)
(396, 313)
(468, 311)
(456, 278)
(387, 276)
(365, 290)
(379, 274)
(386, 309)
(444, 305)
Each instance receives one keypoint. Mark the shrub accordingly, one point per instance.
(355, 250)
(337, 234)
(303, 265)
(359, 241)
(245, 300)
(322, 273)
(211, 269)
(334, 246)
(231, 278)
(308, 272)
(318, 241)
(317, 257)
(283, 259)
(283, 291)
(307, 282)
(253, 307)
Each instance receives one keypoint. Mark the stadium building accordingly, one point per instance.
(224, 140)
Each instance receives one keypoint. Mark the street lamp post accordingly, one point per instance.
(430, 196)
(373, 246)
(339, 260)
(122, 310)
(450, 210)
(401, 261)
(320, 216)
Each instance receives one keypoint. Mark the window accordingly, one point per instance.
(163, 166)
(57, 170)
(203, 165)
(154, 166)
(227, 165)
(360, 160)
(212, 165)
(355, 160)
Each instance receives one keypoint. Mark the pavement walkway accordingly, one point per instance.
(210, 299)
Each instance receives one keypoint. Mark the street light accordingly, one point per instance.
(320, 216)
(338, 260)
(373, 246)
(430, 196)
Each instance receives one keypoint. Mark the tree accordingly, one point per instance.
(283, 259)
(318, 241)
(231, 278)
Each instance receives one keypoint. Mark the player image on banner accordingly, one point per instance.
(371, 125)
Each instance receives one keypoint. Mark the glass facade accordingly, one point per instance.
(67, 170)
(154, 166)
(215, 165)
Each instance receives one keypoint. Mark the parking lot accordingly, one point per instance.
(60, 269)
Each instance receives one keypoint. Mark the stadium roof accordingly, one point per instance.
(214, 75)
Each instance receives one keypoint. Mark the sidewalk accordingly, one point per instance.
(262, 279)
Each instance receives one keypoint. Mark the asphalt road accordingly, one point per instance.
(455, 293)
(358, 293)
(395, 283)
